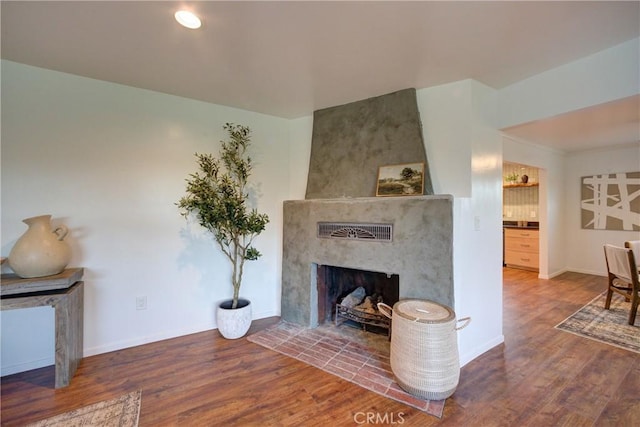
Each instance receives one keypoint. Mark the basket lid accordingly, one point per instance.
(423, 311)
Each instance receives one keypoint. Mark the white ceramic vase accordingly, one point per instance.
(234, 322)
(41, 250)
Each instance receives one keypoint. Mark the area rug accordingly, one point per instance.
(344, 357)
(120, 412)
(608, 326)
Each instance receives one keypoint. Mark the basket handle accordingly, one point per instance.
(385, 309)
(466, 321)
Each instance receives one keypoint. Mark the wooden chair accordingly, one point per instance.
(622, 277)
(634, 245)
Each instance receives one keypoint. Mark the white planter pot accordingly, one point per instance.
(234, 323)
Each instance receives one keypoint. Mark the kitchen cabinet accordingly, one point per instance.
(521, 248)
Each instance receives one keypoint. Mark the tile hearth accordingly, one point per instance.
(358, 357)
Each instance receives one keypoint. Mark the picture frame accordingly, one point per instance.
(610, 201)
(405, 179)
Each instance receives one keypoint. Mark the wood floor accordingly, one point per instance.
(539, 377)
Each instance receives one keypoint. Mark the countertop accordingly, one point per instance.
(531, 225)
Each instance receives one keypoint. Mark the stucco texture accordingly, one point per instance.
(420, 253)
(350, 142)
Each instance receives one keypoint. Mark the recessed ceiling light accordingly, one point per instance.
(188, 19)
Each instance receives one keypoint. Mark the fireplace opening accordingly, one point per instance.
(363, 290)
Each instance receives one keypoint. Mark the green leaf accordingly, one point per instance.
(216, 195)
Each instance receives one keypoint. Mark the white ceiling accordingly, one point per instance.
(605, 125)
(290, 58)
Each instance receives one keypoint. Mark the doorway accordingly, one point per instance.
(521, 216)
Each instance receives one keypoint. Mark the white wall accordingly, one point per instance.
(447, 127)
(300, 156)
(605, 76)
(584, 247)
(564, 245)
(109, 161)
(464, 153)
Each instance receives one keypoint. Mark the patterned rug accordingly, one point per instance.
(340, 355)
(608, 326)
(120, 412)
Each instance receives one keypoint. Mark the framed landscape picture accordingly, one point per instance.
(405, 179)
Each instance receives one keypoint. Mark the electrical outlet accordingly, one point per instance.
(141, 303)
(533, 214)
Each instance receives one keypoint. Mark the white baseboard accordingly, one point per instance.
(583, 271)
(92, 351)
(27, 366)
(477, 351)
(572, 270)
(552, 275)
(120, 345)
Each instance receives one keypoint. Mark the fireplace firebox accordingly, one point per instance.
(336, 283)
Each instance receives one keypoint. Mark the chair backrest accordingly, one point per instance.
(634, 245)
(620, 262)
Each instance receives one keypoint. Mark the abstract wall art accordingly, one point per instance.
(611, 201)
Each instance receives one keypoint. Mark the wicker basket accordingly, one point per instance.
(424, 347)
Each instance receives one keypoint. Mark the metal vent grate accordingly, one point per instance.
(356, 231)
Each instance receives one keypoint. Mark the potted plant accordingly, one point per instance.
(512, 178)
(217, 196)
